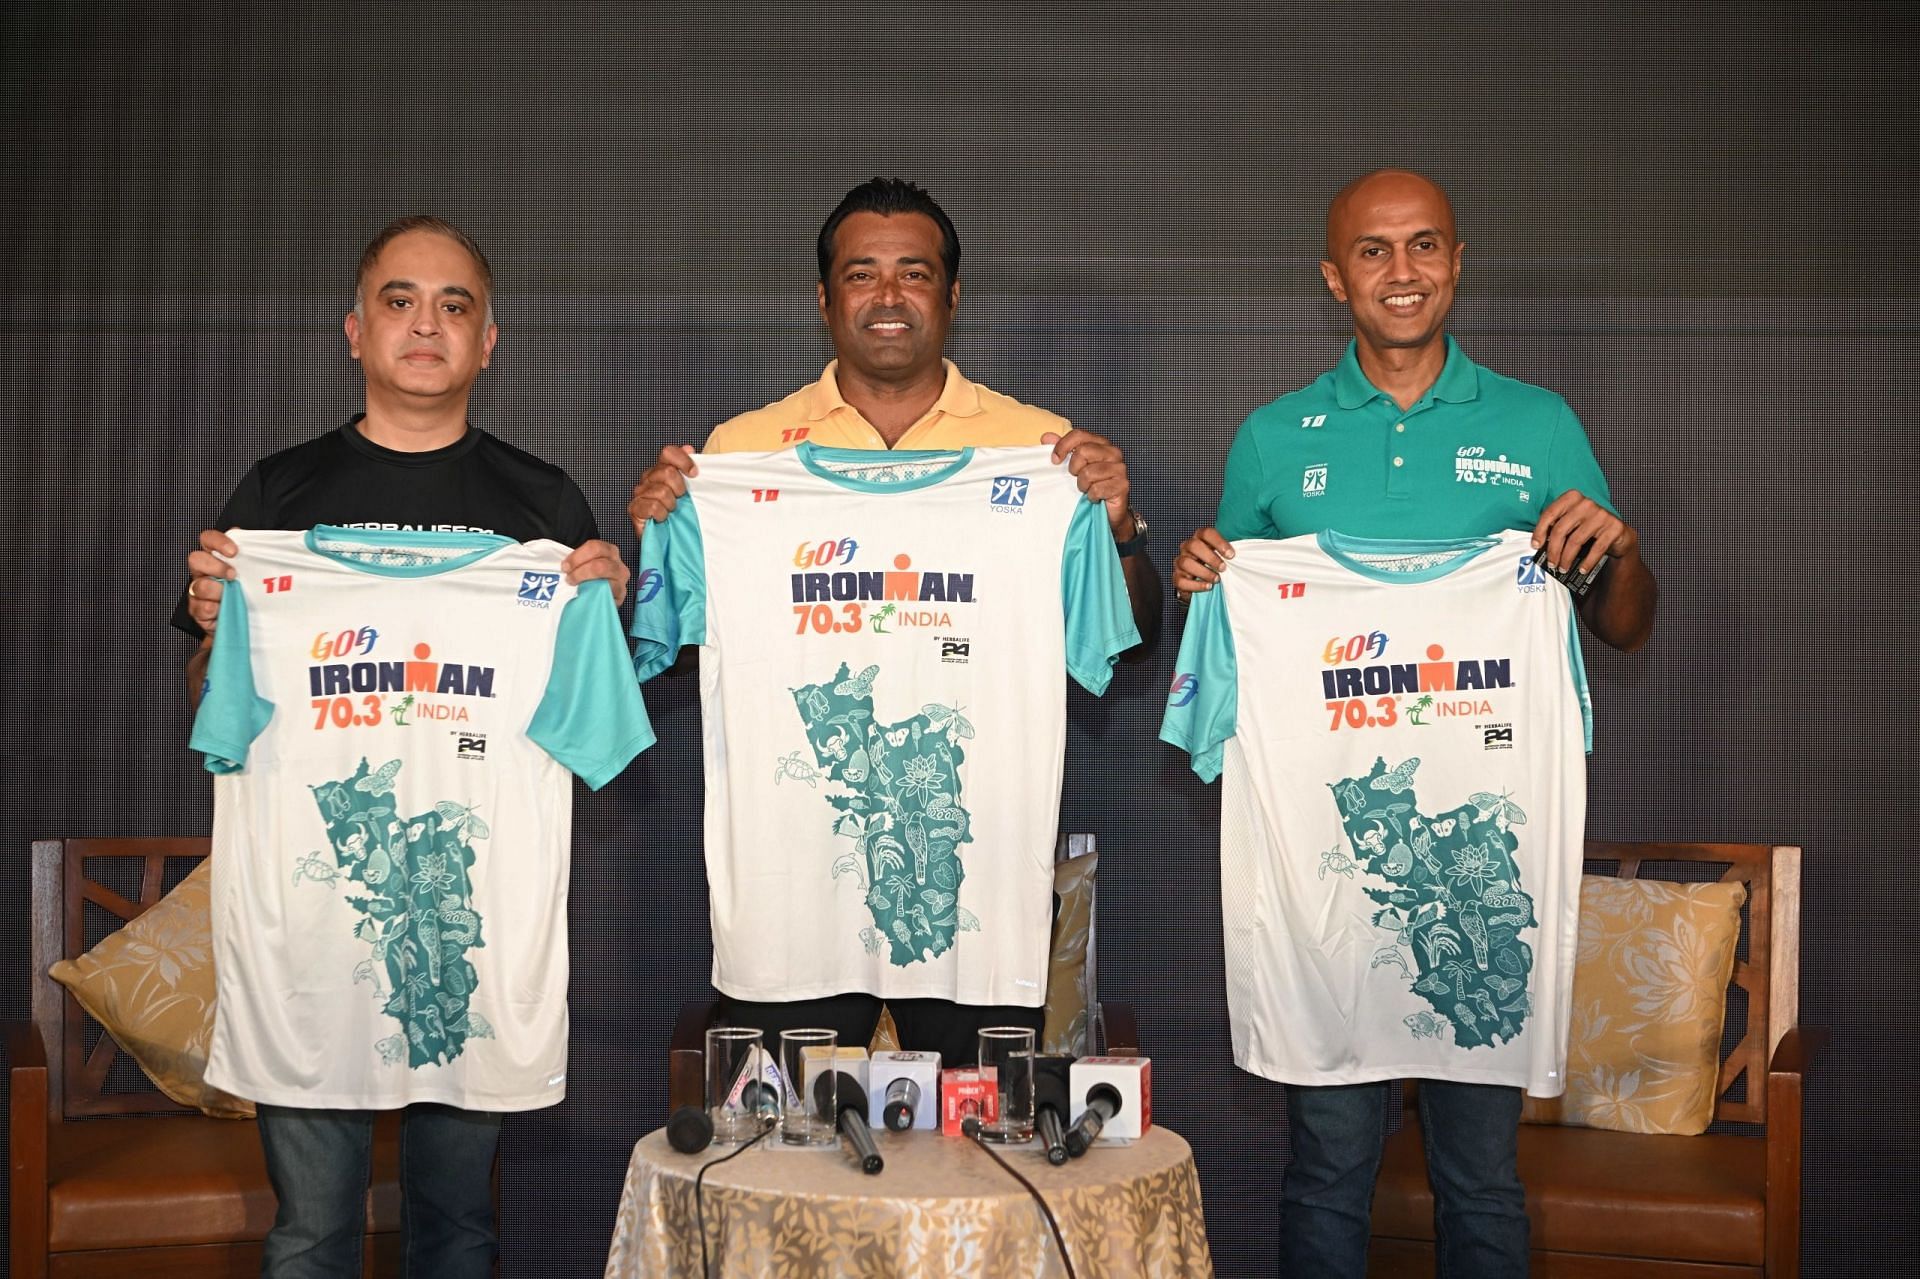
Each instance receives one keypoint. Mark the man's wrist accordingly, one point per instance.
(1130, 534)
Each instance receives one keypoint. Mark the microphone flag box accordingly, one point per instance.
(922, 1070)
(1129, 1077)
(968, 1092)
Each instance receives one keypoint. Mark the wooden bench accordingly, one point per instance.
(110, 1178)
(1725, 1203)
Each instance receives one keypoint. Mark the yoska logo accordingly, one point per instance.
(835, 550)
(1529, 577)
(1313, 421)
(648, 585)
(536, 589)
(1313, 481)
(1008, 491)
(1184, 689)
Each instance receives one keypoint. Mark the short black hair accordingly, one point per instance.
(888, 196)
(436, 226)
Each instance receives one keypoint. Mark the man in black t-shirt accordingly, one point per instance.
(422, 329)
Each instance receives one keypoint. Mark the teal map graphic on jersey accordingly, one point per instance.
(901, 810)
(416, 912)
(1454, 904)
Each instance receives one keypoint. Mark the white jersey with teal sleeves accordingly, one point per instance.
(885, 640)
(394, 720)
(1403, 730)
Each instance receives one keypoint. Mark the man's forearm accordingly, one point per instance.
(1620, 607)
(1143, 593)
(197, 672)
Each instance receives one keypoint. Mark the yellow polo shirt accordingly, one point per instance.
(967, 415)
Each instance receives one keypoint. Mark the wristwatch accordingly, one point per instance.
(1136, 543)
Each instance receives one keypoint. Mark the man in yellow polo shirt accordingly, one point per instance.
(889, 284)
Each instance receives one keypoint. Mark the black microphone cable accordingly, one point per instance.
(699, 1205)
(971, 1128)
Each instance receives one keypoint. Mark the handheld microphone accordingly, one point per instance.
(852, 1116)
(1103, 1103)
(690, 1131)
(1049, 1114)
(903, 1102)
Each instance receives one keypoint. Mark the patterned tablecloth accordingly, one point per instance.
(942, 1208)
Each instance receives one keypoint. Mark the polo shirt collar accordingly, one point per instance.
(958, 398)
(1458, 383)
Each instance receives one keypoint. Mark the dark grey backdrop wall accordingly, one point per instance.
(1697, 222)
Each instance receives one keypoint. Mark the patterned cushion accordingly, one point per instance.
(1649, 1001)
(150, 984)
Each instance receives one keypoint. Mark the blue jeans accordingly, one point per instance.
(1472, 1134)
(320, 1163)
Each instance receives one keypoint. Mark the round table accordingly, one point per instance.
(942, 1208)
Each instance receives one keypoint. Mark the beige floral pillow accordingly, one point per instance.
(1649, 1001)
(150, 984)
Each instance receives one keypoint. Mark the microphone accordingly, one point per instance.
(1049, 1114)
(690, 1131)
(903, 1102)
(1103, 1103)
(852, 1116)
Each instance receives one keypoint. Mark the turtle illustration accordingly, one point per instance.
(1335, 859)
(791, 765)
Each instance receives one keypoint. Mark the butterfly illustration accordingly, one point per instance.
(938, 715)
(1398, 779)
(380, 781)
(860, 685)
(463, 818)
(1502, 805)
(895, 736)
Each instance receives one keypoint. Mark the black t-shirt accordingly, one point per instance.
(476, 484)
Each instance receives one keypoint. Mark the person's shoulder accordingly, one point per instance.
(1518, 397)
(1015, 421)
(1316, 397)
(759, 430)
(497, 450)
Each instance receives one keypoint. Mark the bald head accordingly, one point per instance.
(1359, 202)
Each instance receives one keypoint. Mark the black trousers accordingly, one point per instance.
(925, 1025)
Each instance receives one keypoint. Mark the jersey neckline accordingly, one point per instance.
(350, 436)
(481, 545)
(819, 460)
(1346, 550)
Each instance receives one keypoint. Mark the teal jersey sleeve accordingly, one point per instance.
(1571, 464)
(232, 712)
(591, 718)
(1242, 513)
(1577, 670)
(1093, 595)
(669, 591)
(1203, 703)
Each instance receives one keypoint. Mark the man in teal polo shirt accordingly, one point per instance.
(1408, 438)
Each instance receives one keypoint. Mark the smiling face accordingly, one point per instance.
(886, 301)
(420, 330)
(1393, 257)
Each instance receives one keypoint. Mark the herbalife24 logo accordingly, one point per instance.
(470, 746)
(1009, 492)
(536, 589)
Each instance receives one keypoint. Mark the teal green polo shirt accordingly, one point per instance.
(1478, 453)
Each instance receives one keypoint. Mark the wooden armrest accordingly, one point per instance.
(1122, 1028)
(1797, 1049)
(27, 1156)
(1785, 1076)
(687, 1054)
